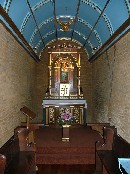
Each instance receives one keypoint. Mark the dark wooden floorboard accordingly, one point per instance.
(65, 169)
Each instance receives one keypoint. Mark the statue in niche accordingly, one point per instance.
(64, 73)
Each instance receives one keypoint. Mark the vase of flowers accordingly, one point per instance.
(65, 119)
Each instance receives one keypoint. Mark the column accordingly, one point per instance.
(81, 119)
(84, 116)
(78, 75)
(44, 116)
(50, 69)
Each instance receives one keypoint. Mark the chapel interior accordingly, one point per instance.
(71, 59)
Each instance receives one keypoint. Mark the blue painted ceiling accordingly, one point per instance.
(88, 22)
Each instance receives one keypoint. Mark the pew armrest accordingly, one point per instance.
(2, 163)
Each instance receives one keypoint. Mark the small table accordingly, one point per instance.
(124, 165)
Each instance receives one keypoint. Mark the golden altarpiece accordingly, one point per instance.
(64, 93)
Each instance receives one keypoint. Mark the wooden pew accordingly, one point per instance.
(2, 163)
(17, 162)
(98, 126)
(20, 150)
(27, 138)
(107, 153)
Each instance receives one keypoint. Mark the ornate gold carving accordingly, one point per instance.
(65, 26)
(77, 114)
(51, 115)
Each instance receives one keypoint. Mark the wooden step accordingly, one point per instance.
(65, 159)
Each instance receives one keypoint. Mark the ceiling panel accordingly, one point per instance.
(44, 12)
(100, 3)
(48, 38)
(66, 34)
(29, 29)
(65, 7)
(87, 13)
(17, 11)
(117, 12)
(47, 28)
(103, 29)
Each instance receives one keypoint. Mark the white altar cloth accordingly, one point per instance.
(62, 102)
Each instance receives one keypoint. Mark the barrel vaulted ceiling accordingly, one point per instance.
(91, 23)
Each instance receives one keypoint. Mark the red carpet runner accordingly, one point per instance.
(80, 149)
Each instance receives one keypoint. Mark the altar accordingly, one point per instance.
(64, 93)
(52, 108)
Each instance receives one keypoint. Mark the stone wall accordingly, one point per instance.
(111, 87)
(86, 84)
(17, 83)
(42, 82)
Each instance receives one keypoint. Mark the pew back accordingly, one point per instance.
(10, 149)
(18, 162)
(107, 153)
(120, 147)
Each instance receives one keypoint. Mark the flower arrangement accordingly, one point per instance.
(66, 118)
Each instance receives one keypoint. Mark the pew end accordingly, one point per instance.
(108, 152)
(2, 163)
(98, 126)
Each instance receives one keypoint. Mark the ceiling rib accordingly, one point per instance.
(97, 21)
(111, 39)
(5, 4)
(19, 35)
(40, 26)
(76, 17)
(35, 21)
(55, 20)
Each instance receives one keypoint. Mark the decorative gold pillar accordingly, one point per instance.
(47, 115)
(50, 69)
(78, 59)
(78, 75)
(81, 114)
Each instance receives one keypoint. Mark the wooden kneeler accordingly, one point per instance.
(29, 132)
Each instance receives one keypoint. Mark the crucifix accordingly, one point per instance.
(64, 89)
